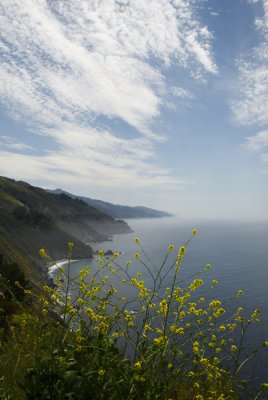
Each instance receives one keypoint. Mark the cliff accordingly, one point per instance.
(32, 218)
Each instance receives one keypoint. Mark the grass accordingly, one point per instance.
(175, 345)
(7, 198)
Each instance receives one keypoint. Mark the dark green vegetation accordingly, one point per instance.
(12, 290)
(117, 210)
(31, 218)
(175, 346)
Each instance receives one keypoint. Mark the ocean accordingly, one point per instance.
(238, 253)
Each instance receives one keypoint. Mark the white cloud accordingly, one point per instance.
(11, 143)
(251, 104)
(71, 168)
(66, 64)
(262, 23)
(181, 92)
(258, 141)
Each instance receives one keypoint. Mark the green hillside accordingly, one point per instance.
(31, 218)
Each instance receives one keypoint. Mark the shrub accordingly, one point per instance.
(13, 289)
(159, 343)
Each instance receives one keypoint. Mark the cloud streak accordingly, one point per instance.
(66, 64)
(10, 143)
(258, 141)
(251, 105)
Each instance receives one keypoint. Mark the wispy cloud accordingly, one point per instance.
(65, 64)
(11, 143)
(251, 104)
(258, 141)
(181, 92)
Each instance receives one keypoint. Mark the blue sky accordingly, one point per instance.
(161, 103)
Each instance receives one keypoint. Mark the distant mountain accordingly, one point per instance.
(116, 210)
(32, 218)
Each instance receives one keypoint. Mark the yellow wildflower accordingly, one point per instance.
(42, 253)
(137, 365)
(101, 372)
(163, 307)
(171, 247)
(148, 328)
(162, 340)
(139, 378)
(214, 303)
(182, 251)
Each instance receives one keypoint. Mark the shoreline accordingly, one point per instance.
(51, 268)
(56, 266)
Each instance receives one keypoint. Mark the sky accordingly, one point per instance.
(160, 103)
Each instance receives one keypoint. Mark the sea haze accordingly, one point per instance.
(238, 253)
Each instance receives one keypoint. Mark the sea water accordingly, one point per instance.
(238, 253)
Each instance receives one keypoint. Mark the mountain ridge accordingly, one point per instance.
(32, 218)
(117, 210)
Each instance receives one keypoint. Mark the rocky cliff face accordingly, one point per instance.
(31, 219)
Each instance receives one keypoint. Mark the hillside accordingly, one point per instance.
(117, 210)
(31, 218)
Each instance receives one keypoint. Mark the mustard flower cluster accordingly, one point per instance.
(174, 338)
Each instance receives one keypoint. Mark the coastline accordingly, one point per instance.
(51, 268)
